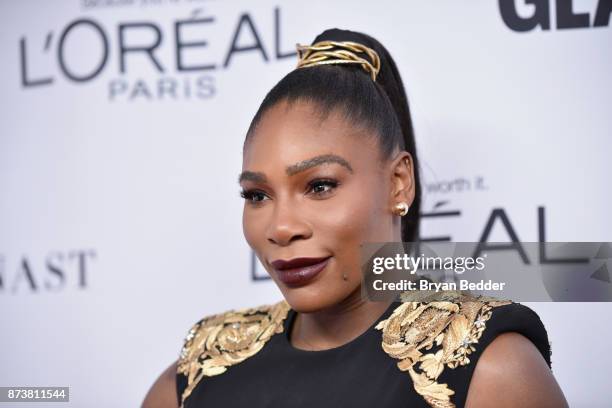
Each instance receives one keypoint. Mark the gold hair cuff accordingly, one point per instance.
(323, 52)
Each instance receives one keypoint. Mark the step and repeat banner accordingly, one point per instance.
(121, 134)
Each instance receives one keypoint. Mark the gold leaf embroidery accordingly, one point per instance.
(427, 336)
(430, 388)
(222, 340)
(458, 329)
(432, 364)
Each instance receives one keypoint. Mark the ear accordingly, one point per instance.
(402, 179)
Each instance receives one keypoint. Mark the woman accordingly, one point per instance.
(329, 162)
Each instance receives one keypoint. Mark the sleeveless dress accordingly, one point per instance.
(415, 355)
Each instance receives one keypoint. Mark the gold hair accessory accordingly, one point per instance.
(338, 52)
(401, 209)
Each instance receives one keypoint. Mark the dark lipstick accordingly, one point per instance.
(299, 271)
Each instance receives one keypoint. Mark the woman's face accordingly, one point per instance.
(317, 188)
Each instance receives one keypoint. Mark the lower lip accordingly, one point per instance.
(301, 276)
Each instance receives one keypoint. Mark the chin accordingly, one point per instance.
(311, 298)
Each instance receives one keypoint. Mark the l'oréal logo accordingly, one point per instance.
(187, 74)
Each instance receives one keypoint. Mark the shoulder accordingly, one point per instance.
(218, 341)
(518, 318)
(162, 393)
(438, 343)
(512, 367)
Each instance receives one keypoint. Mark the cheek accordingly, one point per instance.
(344, 223)
(252, 228)
(349, 220)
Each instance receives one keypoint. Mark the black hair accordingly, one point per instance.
(380, 105)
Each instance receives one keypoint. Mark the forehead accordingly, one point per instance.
(288, 133)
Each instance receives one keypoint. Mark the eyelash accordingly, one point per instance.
(250, 194)
(328, 182)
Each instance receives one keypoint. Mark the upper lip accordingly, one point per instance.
(280, 264)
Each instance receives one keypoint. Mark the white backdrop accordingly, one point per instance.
(120, 219)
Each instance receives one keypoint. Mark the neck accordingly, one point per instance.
(336, 325)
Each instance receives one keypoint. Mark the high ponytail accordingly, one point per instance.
(381, 104)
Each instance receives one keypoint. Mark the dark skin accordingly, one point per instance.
(305, 209)
(299, 207)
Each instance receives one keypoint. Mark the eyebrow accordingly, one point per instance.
(293, 169)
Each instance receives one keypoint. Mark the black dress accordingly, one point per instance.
(244, 358)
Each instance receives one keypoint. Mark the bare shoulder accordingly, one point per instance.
(162, 393)
(513, 368)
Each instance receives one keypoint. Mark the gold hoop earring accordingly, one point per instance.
(401, 209)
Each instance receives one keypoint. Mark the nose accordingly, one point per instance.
(287, 224)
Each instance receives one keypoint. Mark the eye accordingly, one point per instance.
(253, 197)
(322, 187)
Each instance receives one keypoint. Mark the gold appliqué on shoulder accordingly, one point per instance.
(222, 340)
(427, 337)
